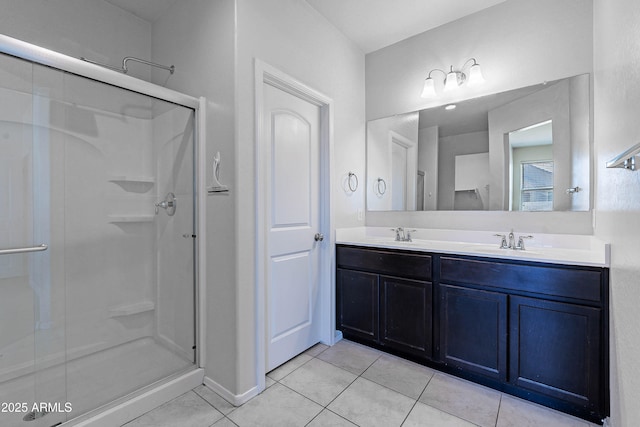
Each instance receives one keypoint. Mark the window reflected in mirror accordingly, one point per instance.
(531, 167)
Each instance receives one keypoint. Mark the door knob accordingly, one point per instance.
(318, 237)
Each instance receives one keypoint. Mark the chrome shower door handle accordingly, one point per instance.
(169, 204)
(319, 237)
(12, 251)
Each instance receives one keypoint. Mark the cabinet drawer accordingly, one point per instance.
(401, 264)
(575, 283)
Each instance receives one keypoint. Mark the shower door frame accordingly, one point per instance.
(38, 55)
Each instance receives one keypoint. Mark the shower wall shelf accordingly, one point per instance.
(115, 219)
(128, 310)
(129, 178)
(625, 160)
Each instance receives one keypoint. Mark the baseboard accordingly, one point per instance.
(234, 399)
(139, 405)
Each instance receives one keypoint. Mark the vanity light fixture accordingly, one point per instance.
(454, 79)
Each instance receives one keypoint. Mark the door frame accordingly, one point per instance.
(267, 74)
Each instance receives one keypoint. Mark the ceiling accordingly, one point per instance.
(149, 10)
(374, 24)
(370, 24)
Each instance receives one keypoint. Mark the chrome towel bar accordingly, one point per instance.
(12, 251)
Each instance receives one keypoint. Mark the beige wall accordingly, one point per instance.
(617, 102)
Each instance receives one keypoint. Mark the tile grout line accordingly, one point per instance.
(209, 403)
(445, 411)
(343, 390)
(417, 400)
(499, 408)
(212, 405)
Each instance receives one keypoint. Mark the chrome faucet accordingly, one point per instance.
(511, 244)
(402, 235)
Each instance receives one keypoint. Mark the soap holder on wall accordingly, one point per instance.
(216, 187)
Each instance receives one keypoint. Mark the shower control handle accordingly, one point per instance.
(169, 204)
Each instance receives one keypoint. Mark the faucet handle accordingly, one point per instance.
(397, 230)
(503, 241)
(520, 245)
(408, 234)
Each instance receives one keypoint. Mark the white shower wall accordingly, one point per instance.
(109, 262)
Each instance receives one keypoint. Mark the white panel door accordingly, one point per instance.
(291, 128)
(398, 176)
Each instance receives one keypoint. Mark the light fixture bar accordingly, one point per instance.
(453, 79)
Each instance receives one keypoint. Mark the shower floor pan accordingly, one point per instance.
(90, 381)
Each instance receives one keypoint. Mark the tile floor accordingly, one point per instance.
(353, 385)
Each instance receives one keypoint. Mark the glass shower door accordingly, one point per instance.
(129, 245)
(105, 178)
(32, 300)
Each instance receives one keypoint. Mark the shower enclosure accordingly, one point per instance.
(97, 243)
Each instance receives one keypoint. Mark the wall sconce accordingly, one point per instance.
(454, 79)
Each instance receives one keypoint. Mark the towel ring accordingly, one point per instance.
(382, 186)
(352, 187)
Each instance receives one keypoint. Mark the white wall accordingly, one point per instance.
(518, 43)
(198, 36)
(94, 29)
(293, 37)
(617, 102)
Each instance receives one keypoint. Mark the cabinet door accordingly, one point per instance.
(473, 330)
(555, 350)
(357, 304)
(406, 315)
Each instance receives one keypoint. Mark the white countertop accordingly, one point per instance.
(565, 249)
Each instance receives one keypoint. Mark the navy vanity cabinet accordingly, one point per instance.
(537, 328)
(406, 315)
(473, 330)
(534, 330)
(555, 351)
(357, 304)
(384, 297)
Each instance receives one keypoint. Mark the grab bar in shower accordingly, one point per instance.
(12, 251)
